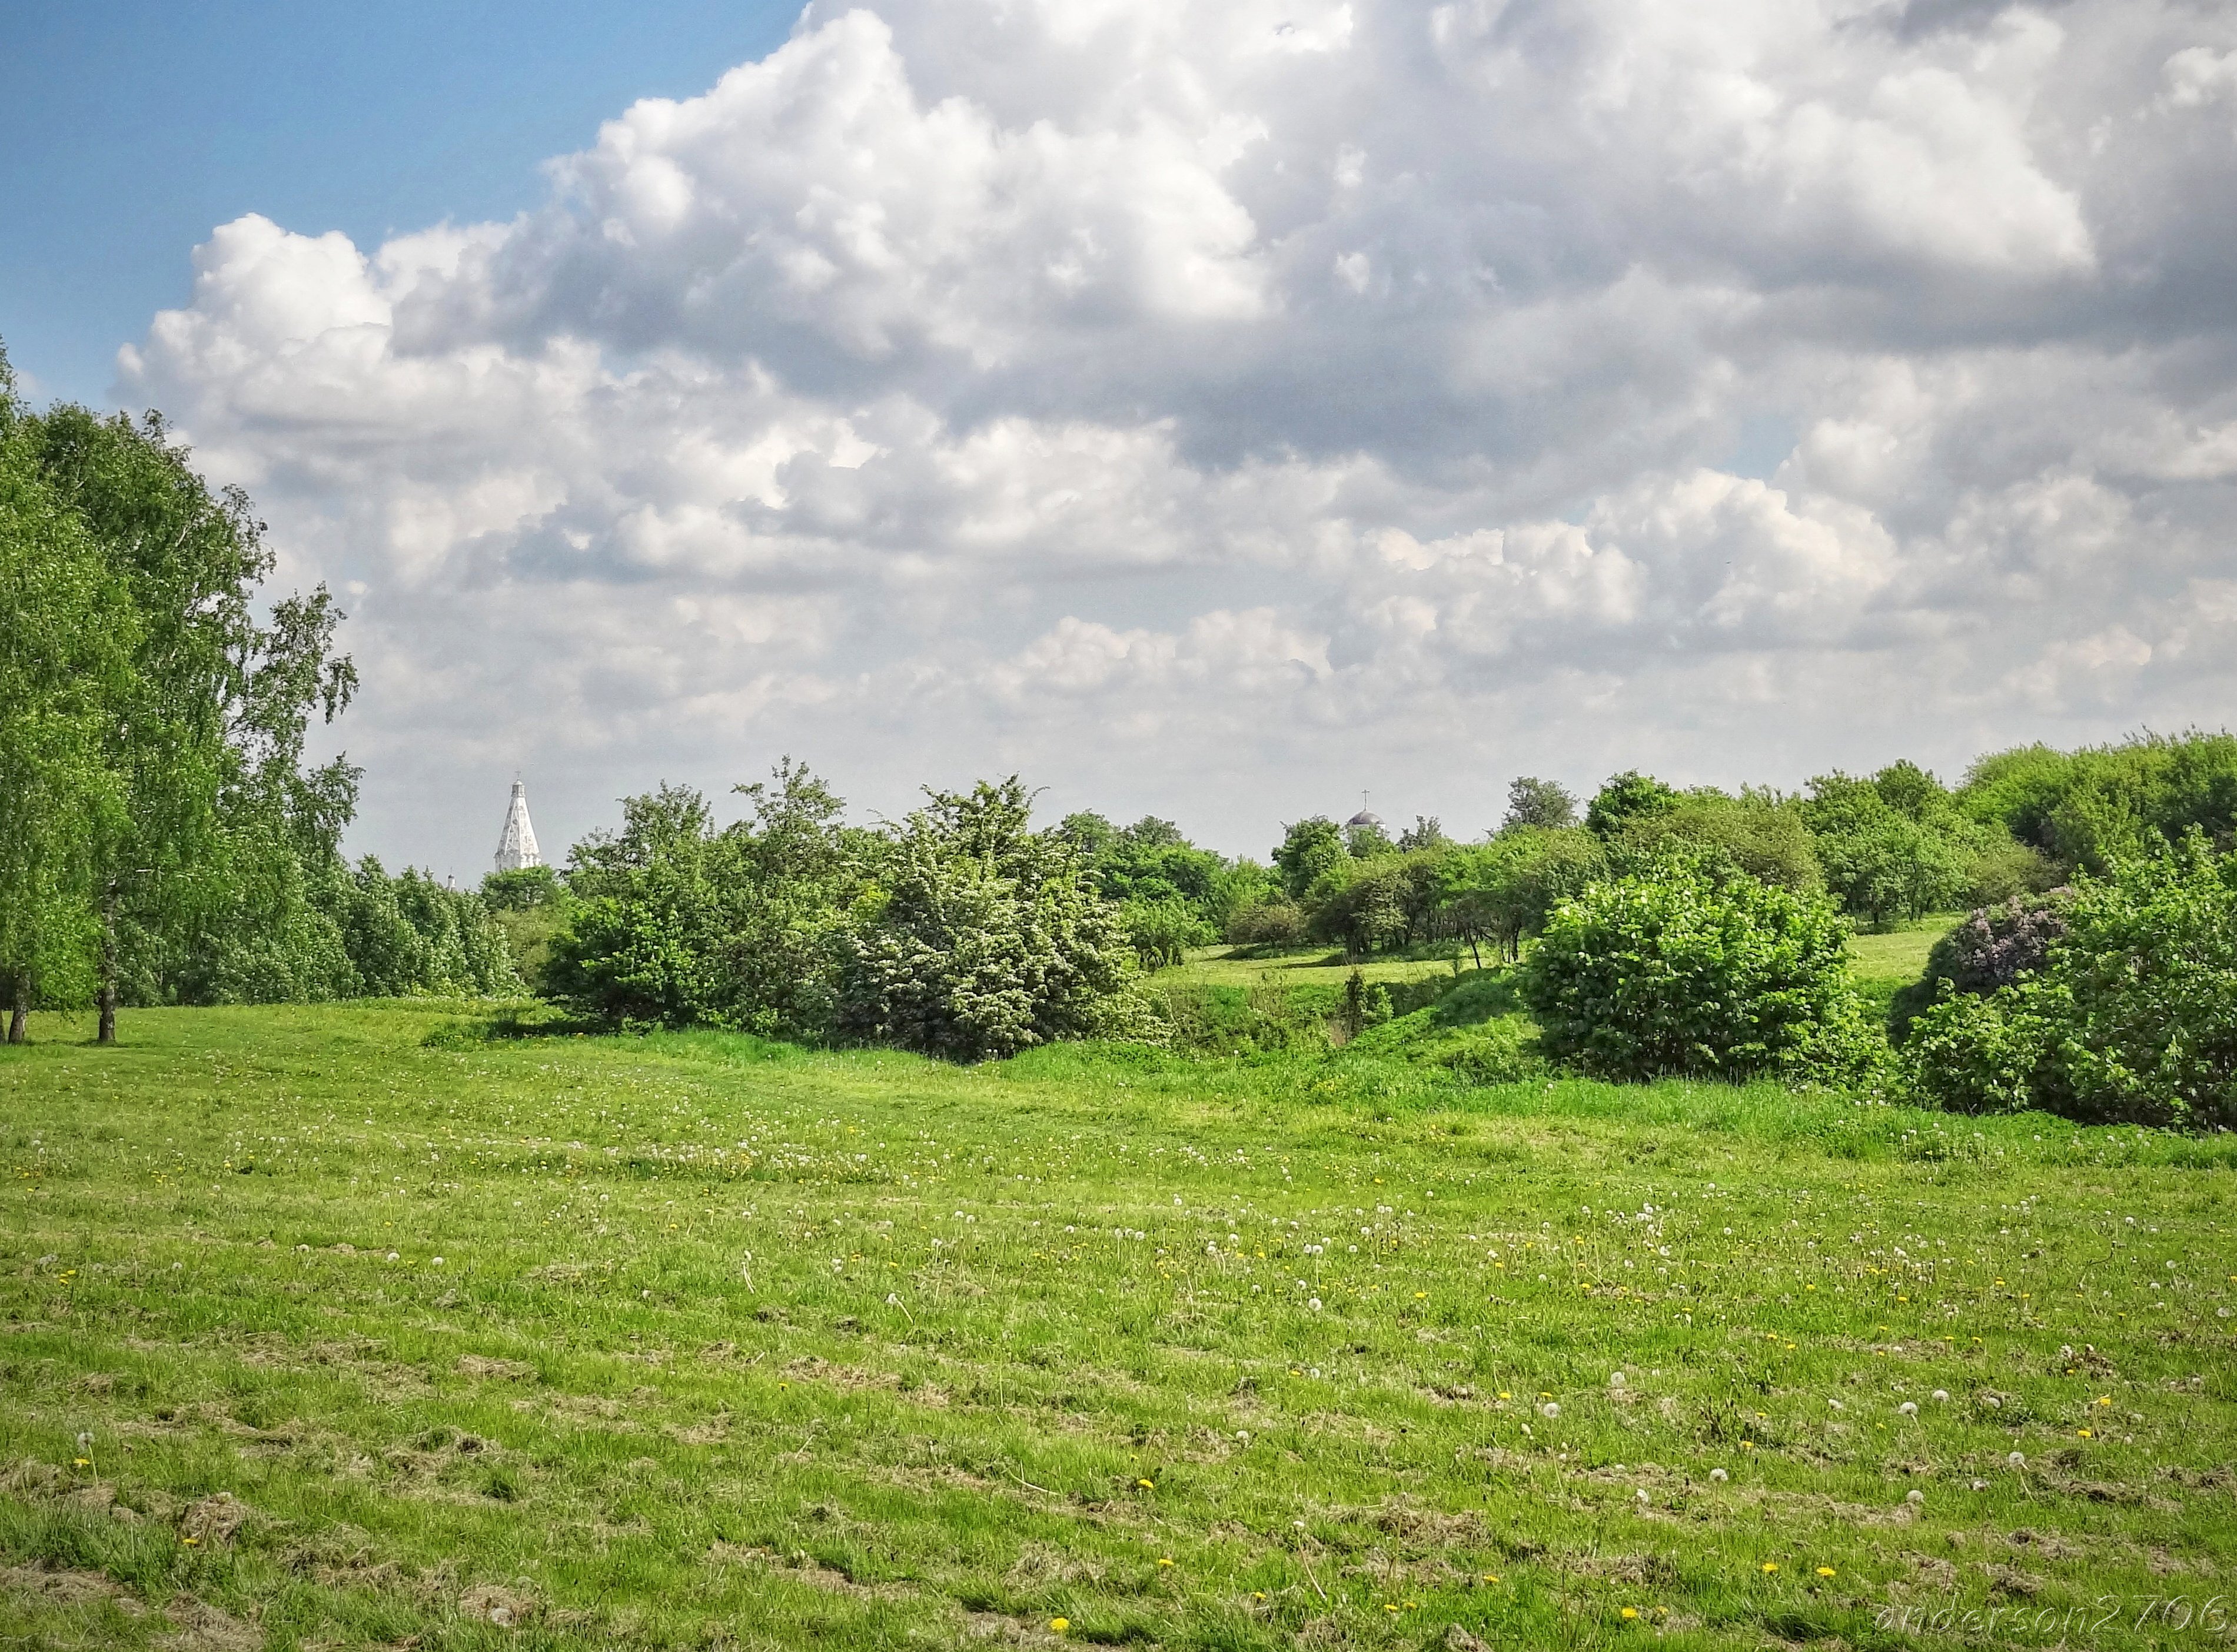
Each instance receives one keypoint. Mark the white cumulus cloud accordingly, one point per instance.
(1217, 411)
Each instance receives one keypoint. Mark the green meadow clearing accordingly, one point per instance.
(354, 1327)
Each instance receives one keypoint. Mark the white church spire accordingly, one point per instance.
(516, 847)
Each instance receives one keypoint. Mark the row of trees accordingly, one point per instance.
(164, 836)
(958, 931)
(1895, 844)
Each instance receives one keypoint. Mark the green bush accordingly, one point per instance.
(982, 938)
(2132, 1017)
(1668, 972)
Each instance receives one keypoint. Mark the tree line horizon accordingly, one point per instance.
(165, 839)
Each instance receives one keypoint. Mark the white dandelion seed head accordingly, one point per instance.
(1313, 1303)
(1942, 1394)
(1916, 1499)
(1720, 1476)
(2017, 1459)
(1549, 1411)
(1908, 1408)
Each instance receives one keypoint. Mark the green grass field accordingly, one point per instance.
(344, 1327)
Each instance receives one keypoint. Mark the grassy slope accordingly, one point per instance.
(1307, 967)
(1882, 962)
(891, 1374)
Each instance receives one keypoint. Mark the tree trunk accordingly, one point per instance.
(19, 1011)
(108, 1033)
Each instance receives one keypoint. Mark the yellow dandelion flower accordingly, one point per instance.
(2083, 1433)
(1164, 1560)
(1491, 1577)
(1059, 1624)
(1147, 1485)
(1630, 1612)
(1770, 1565)
(1824, 1571)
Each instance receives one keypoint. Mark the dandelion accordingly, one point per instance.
(1059, 1624)
(1908, 1408)
(1629, 1613)
(1549, 1411)
(2083, 1433)
(1719, 1475)
(1147, 1485)
(1916, 1499)
(1824, 1571)
(2017, 1459)
(1164, 1560)
(1942, 1394)
(1491, 1577)
(1769, 1566)
(1313, 1303)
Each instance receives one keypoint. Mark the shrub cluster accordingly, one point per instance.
(2130, 1015)
(961, 932)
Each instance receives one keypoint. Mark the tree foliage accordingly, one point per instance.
(2131, 1016)
(980, 937)
(2084, 810)
(1545, 804)
(1673, 972)
(164, 808)
(1625, 798)
(65, 654)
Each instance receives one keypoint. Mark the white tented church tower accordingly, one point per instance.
(517, 848)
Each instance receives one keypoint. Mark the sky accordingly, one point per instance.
(1211, 413)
